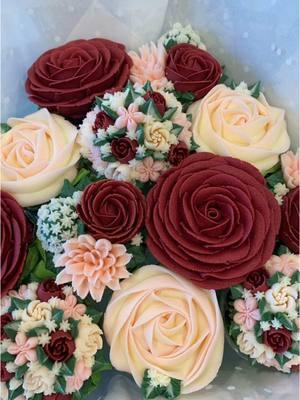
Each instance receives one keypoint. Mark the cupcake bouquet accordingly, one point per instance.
(146, 181)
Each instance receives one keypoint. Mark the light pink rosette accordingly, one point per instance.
(161, 321)
(287, 264)
(290, 164)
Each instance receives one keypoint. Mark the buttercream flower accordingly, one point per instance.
(247, 313)
(124, 149)
(212, 219)
(92, 265)
(38, 379)
(36, 314)
(129, 118)
(112, 210)
(177, 153)
(281, 298)
(279, 340)
(66, 79)
(287, 264)
(290, 164)
(158, 136)
(48, 289)
(37, 154)
(192, 69)
(5, 319)
(249, 345)
(60, 347)
(88, 341)
(25, 292)
(186, 134)
(81, 374)
(23, 348)
(231, 123)
(290, 215)
(160, 321)
(149, 65)
(149, 169)
(15, 236)
(102, 121)
(257, 281)
(71, 308)
(158, 100)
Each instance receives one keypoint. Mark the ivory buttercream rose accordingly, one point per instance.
(232, 123)
(158, 136)
(35, 315)
(38, 379)
(37, 154)
(282, 298)
(88, 341)
(160, 321)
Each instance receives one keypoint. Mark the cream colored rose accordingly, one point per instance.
(38, 379)
(158, 136)
(35, 315)
(37, 154)
(160, 321)
(232, 123)
(281, 298)
(249, 345)
(89, 339)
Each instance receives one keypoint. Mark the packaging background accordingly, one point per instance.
(256, 40)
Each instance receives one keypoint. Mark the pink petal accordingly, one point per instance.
(239, 318)
(255, 314)
(121, 122)
(20, 359)
(249, 323)
(251, 303)
(239, 305)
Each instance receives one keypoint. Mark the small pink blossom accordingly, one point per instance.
(247, 314)
(186, 133)
(71, 308)
(287, 264)
(290, 164)
(149, 169)
(129, 118)
(81, 374)
(24, 348)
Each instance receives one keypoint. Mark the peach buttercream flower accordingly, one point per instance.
(149, 65)
(290, 164)
(71, 308)
(232, 123)
(247, 313)
(81, 374)
(23, 348)
(149, 169)
(159, 320)
(287, 264)
(37, 154)
(92, 265)
(129, 118)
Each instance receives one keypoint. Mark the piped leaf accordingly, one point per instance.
(237, 292)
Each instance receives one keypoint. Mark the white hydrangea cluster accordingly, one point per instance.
(57, 222)
(182, 34)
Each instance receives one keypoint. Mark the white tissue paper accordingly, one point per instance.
(256, 40)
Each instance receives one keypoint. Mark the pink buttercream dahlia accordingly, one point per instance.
(92, 265)
(290, 164)
(149, 65)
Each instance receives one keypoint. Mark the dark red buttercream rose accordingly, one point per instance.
(102, 121)
(66, 79)
(15, 236)
(158, 100)
(192, 69)
(48, 289)
(257, 281)
(5, 375)
(212, 219)
(5, 319)
(280, 340)
(58, 396)
(112, 210)
(177, 153)
(289, 230)
(61, 346)
(124, 149)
